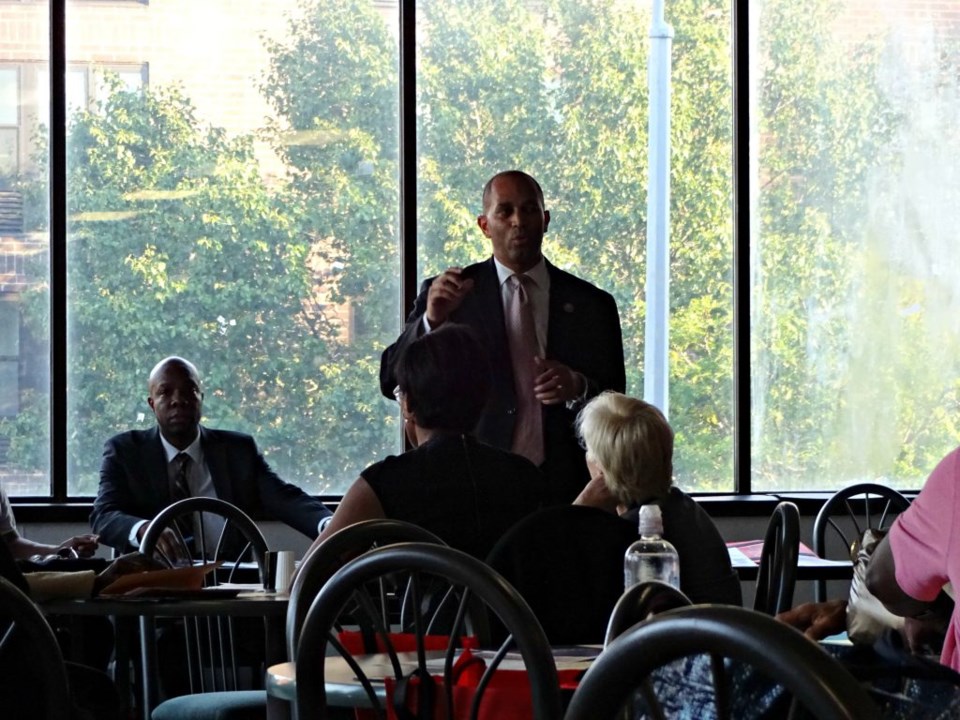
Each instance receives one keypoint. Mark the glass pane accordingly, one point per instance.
(564, 97)
(9, 389)
(130, 80)
(856, 354)
(9, 331)
(9, 96)
(9, 359)
(24, 258)
(9, 153)
(76, 87)
(239, 210)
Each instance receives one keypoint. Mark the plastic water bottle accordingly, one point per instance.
(651, 557)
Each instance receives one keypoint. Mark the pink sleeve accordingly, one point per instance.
(921, 537)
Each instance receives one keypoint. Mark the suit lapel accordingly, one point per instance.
(561, 315)
(215, 456)
(490, 306)
(155, 465)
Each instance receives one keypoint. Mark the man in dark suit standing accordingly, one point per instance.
(143, 471)
(554, 339)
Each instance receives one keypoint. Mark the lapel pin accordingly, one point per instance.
(568, 307)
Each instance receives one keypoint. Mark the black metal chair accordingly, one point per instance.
(237, 537)
(640, 602)
(314, 571)
(333, 553)
(849, 512)
(472, 586)
(213, 658)
(31, 657)
(777, 576)
(812, 679)
(567, 563)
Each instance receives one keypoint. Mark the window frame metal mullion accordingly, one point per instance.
(58, 251)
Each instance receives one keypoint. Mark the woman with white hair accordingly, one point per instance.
(629, 446)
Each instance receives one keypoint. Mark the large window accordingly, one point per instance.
(855, 304)
(9, 119)
(245, 198)
(243, 207)
(565, 96)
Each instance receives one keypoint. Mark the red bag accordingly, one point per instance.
(506, 697)
(360, 643)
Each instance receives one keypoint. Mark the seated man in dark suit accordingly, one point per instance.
(143, 471)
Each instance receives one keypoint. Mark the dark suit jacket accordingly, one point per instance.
(134, 484)
(583, 332)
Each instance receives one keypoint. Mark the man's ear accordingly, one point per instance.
(405, 409)
(150, 403)
(482, 222)
(546, 219)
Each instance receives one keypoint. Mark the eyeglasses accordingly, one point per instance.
(397, 393)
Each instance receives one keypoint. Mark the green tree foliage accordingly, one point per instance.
(333, 84)
(483, 106)
(825, 125)
(566, 99)
(177, 247)
(601, 164)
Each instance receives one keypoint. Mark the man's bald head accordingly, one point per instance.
(176, 398)
(173, 360)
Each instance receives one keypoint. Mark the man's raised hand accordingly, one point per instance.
(445, 295)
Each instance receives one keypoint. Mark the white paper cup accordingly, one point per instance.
(285, 568)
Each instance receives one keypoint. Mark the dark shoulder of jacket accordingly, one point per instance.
(133, 438)
(213, 435)
(574, 284)
(471, 271)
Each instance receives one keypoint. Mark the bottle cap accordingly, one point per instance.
(651, 520)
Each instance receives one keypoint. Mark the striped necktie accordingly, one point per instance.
(181, 488)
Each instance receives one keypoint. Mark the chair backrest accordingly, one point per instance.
(333, 553)
(640, 602)
(700, 633)
(849, 512)
(777, 575)
(567, 563)
(476, 588)
(222, 532)
(31, 658)
(236, 538)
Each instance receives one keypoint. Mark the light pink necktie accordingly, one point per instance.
(522, 336)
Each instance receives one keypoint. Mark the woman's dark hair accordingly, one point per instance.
(446, 377)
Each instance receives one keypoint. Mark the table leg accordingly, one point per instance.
(148, 664)
(278, 708)
(123, 656)
(275, 636)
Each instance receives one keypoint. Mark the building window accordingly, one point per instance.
(9, 359)
(9, 120)
(243, 209)
(855, 350)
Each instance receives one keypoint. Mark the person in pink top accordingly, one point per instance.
(921, 555)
